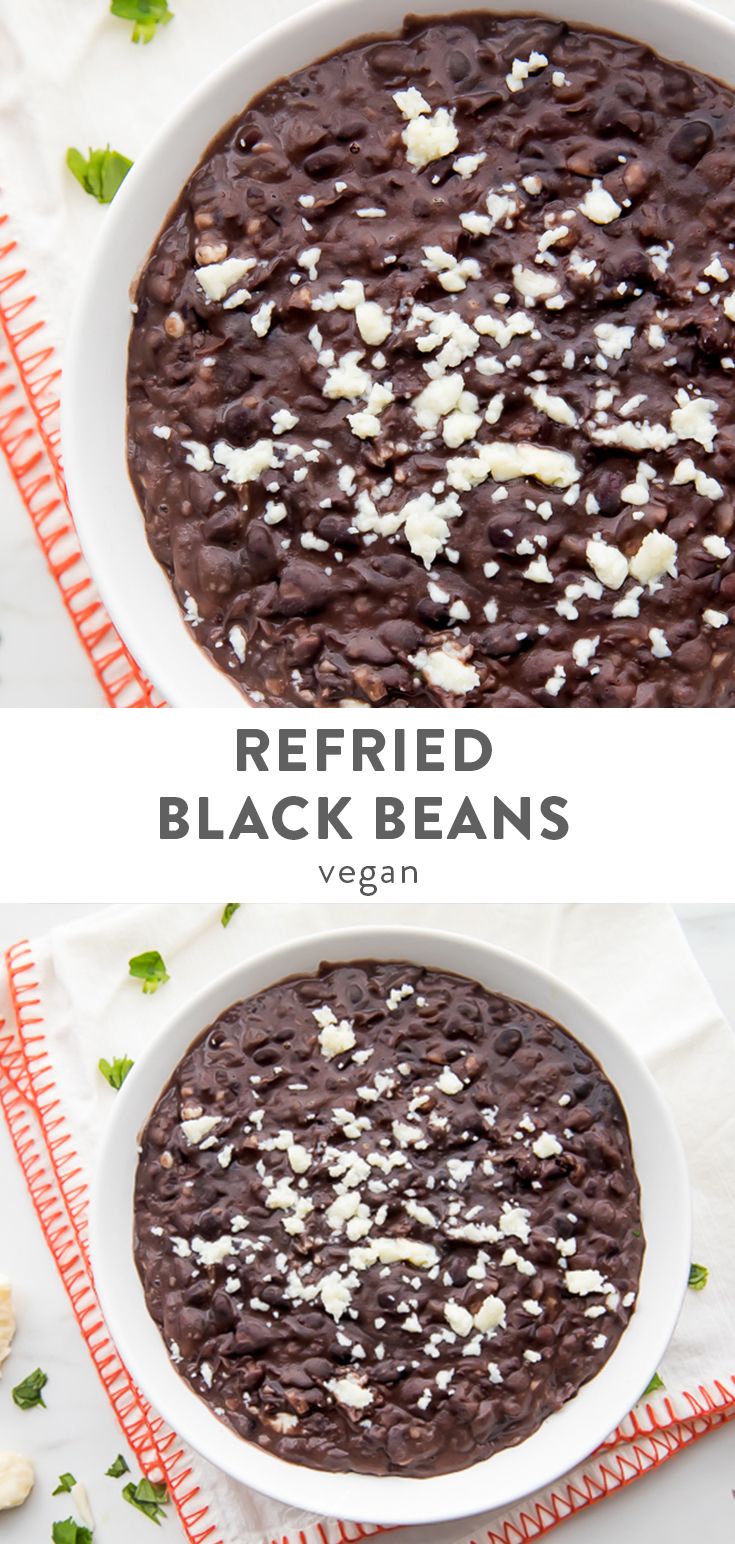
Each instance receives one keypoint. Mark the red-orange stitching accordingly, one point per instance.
(30, 441)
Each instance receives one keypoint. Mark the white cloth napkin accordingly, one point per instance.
(69, 75)
(631, 962)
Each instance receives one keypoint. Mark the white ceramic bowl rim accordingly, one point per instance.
(135, 590)
(565, 1438)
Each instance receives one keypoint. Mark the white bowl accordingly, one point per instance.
(567, 1436)
(135, 590)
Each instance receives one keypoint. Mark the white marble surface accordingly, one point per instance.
(690, 1498)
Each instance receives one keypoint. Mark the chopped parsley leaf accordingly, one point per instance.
(150, 969)
(66, 1483)
(28, 1394)
(101, 173)
(70, 1532)
(147, 15)
(655, 1383)
(149, 1499)
(115, 1071)
(120, 1466)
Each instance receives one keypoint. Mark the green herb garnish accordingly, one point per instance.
(118, 1467)
(150, 969)
(101, 173)
(66, 1483)
(147, 15)
(698, 1277)
(115, 1071)
(28, 1394)
(149, 1499)
(655, 1383)
(229, 912)
(70, 1532)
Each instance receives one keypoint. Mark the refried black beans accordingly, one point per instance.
(386, 1220)
(429, 390)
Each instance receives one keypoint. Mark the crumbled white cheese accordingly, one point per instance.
(706, 487)
(298, 1157)
(283, 420)
(238, 643)
(693, 420)
(538, 571)
(349, 295)
(348, 1391)
(274, 512)
(347, 379)
(556, 681)
(446, 669)
(655, 557)
(411, 103)
(216, 278)
(243, 466)
(598, 205)
(583, 651)
(716, 269)
(429, 137)
(503, 330)
(608, 562)
(260, 320)
(466, 165)
(581, 1283)
(196, 1130)
(452, 272)
(546, 1146)
(522, 68)
(553, 406)
(505, 460)
(197, 455)
(212, 1251)
(490, 1315)
(336, 1038)
(612, 339)
(533, 284)
(458, 1318)
(394, 1251)
(448, 1082)
(659, 646)
(373, 323)
(425, 522)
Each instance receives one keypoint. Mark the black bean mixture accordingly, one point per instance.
(429, 381)
(387, 1221)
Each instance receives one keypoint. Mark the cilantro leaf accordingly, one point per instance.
(118, 1467)
(66, 1483)
(148, 15)
(229, 912)
(655, 1383)
(148, 1498)
(70, 1532)
(101, 173)
(28, 1394)
(115, 1071)
(150, 969)
(698, 1277)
